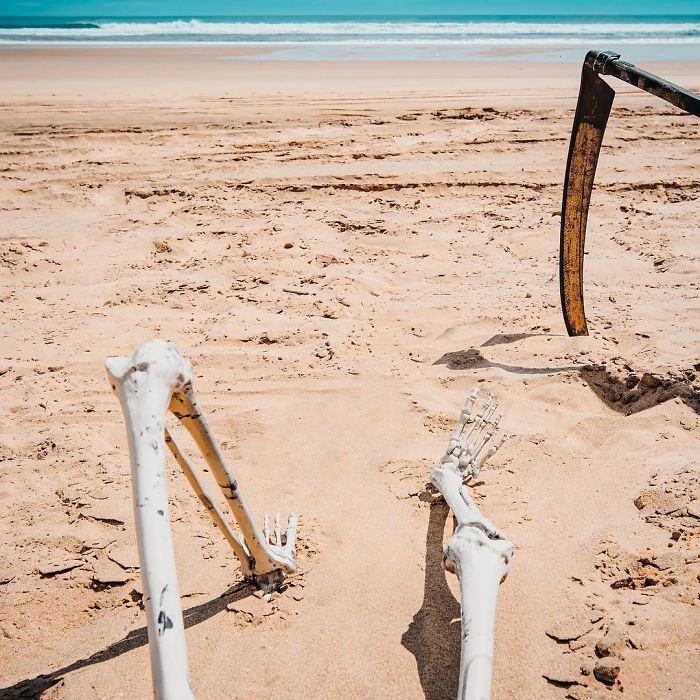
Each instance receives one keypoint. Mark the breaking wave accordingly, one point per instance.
(466, 31)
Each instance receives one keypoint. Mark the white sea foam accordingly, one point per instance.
(419, 43)
(468, 32)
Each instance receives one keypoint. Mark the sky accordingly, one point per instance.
(202, 8)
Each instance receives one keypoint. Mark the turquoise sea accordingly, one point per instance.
(399, 37)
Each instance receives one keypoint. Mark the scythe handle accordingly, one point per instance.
(609, 63)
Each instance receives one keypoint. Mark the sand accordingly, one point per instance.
(344, 250)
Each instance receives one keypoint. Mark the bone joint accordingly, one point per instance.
(477, 551)
(152, 381)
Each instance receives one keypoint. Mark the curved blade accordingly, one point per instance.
(594, 103)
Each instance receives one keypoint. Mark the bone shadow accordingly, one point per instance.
(506, 338)
(34, 687)
(473, 359)
(628, 395)
(432, 637)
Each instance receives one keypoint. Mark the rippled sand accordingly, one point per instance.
(343, 251)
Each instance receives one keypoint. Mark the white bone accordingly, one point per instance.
(477, 552)
(144, 384)
(268, 559)
(154, 379)
(239, 548)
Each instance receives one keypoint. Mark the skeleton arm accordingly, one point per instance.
(477, 551)
(144, 384)
(266, 558)
(154, 379)
(239, 548)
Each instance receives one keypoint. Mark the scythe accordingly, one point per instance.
(595, 100)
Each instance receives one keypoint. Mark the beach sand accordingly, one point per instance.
(343, 251)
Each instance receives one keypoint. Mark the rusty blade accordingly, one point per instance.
(594, 103)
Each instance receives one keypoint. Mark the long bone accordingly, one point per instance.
(239, 548)
(477, 552)
(154, 379)
(144, 384)
(270, 563)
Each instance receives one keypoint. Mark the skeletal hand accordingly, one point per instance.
(283, 545)
(473, 432)
(281, 550)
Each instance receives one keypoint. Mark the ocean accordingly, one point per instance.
(403, 37)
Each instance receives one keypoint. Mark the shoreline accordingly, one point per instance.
(105, 73)
(361, 52)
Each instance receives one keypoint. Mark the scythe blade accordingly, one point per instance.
(594, 103)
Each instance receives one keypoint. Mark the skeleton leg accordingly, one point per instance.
(477, 552)
(144, 384)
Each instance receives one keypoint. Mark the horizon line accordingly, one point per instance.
(356, 16)
(370, 14)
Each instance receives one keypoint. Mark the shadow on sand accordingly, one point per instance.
(433, 636)
(626, 394)
(34, 687)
